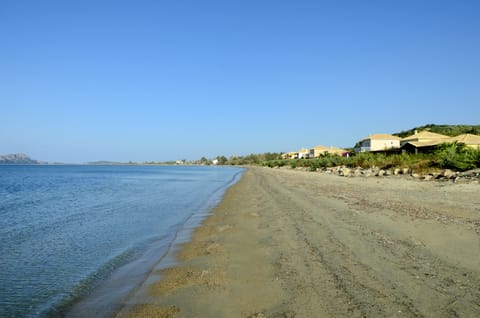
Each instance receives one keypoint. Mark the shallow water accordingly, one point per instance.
(65, 229)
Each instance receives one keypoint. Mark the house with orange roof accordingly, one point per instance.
(378, 142)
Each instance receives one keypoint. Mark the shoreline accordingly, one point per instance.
(286, 243)
(106, 299)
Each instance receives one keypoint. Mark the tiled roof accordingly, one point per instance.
(425, 135)
(420, 144)
(468, 139)
(382, 137)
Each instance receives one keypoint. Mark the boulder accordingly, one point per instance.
(346, 172)
(447, 173)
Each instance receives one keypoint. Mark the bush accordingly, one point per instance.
(451, 156)
(293, 163)
(274, 163)
(455, 156)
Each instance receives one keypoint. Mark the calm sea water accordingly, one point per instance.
(65, 229)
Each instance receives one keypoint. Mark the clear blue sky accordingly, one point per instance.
(164, 80)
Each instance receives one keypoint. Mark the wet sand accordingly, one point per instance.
(286, 243)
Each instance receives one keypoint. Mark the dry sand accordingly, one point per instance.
(287, 243)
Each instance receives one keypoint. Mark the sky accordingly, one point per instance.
(161, 80)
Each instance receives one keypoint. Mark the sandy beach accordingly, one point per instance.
(287, 243)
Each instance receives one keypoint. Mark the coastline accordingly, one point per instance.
(285, 243)
(106, 298)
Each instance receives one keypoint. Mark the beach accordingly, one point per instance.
(289, 243)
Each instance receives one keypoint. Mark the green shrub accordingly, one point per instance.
(452, 156)
(458, 157)
(293, 163)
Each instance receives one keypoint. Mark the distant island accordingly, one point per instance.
(103, 163)
(18, 159)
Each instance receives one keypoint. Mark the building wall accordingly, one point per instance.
(305, 153)
(473, 146)
(383, 144)
(317, 152)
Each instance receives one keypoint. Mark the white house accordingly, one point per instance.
(305, 153)
(378, 142)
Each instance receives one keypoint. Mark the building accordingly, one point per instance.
(469, 140)
(290, 155)
(423, 141)
(305, 153)
(322, 150)
(378, 142)
(425, 137)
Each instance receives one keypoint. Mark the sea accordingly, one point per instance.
(65, 230)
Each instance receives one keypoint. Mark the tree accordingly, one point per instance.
(222, 160)
(204, 161)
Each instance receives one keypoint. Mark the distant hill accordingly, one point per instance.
(449, 130)
(17, 159)
(105, 163)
